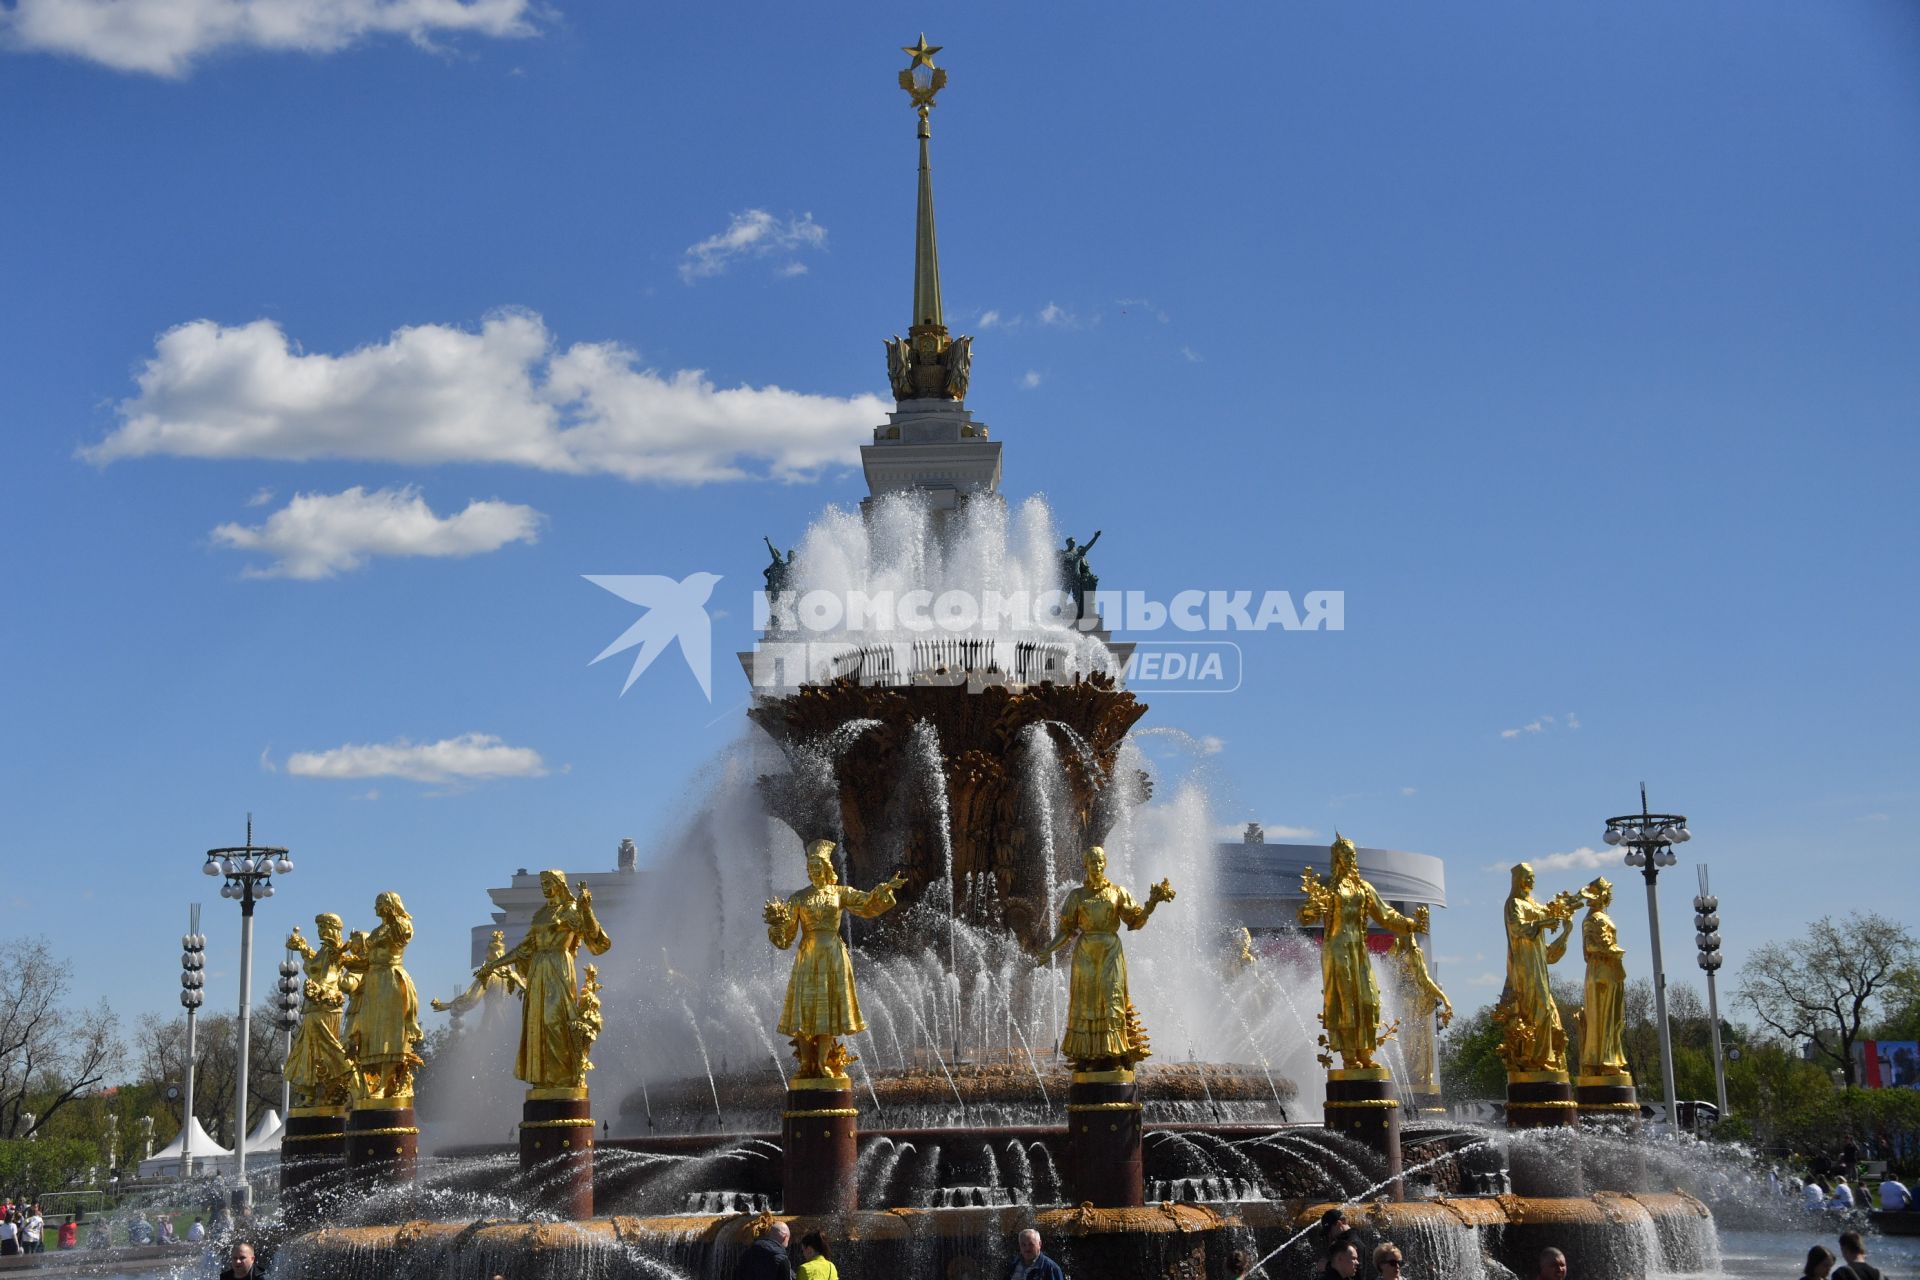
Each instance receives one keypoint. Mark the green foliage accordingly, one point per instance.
(1470, 1065)
(44, 1164)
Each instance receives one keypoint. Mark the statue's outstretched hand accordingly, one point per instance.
(895, 883)
(1162, 892)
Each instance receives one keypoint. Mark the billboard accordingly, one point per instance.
(1887, 1064)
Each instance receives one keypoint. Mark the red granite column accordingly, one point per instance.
(1540, 1100)
(556, 1140)
(820, 1133)
(1361, 1105)
(1104, 1166)
(383, 1143)
(313, 1147)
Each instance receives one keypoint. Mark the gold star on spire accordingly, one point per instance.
(922, 52)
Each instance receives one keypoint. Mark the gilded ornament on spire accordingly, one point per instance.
(927, 364)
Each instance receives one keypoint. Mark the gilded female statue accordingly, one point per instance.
(317, 1065)
(1533, 1037)
(383, 1021)
(552, 1054)
(1420, 997)
(1350, 998)
(821, 1003)
(490, 993)
(1103, 1030)
(1603, 1019)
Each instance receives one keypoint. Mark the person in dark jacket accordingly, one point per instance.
(767, 1259)
(1032, 1264)
(1856, 1266)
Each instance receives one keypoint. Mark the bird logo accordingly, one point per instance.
(674, 611)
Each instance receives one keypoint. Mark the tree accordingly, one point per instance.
(1826, 988)
(162, 1046)
(50, 1053)
(1470, 1065)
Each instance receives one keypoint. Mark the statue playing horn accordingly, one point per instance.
(553, 1022)
(1342, 906)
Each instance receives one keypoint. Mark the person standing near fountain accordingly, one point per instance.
(1534, 1042)
(1104, 1038)
(317, 1066)
(818, 1131)
(383, 1039)
(1604, 1089)
(558, 1024)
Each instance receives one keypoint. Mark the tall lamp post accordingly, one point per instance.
(193, 964)
(290, 984)
(1706, 936)
(248, 870)
(1648, 839)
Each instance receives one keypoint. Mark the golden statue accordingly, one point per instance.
(1603, 1019)
(1350, 998)
(1243, 958)
(821, 1003)
(587, 1021)
(1533, 1037)
(1103, 1029)
(491, 992)
(1420, 996)
(552, 1054)
(317, 1065)
(383, 1018)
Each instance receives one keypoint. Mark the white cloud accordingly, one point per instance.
(266, 760)
(1581, 859)
(988, 319)
(507, 394)
(1409, 791)
(753, 234)
(1211, 745)
(791, 270)
(1030, 379)
(166, 37)
(1192, 356)
(469, 756)
(1057, 316)
(1543, 724)
(261, 497)
(318, 535)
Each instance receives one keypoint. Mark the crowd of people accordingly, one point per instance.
(22, 1227)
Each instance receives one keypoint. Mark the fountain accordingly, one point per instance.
(954, 1081)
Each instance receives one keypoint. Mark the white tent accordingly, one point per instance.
(208, 1155)
(265, 1137)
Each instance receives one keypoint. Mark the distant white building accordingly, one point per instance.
(1259, 883)
(515, 903)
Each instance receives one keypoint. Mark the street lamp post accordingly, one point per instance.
(248, 870)
(1706, 936)
(1648, 839)
(290, 985)
(193, 964)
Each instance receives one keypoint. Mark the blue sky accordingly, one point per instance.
(1575, 346)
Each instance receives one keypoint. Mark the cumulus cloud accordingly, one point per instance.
(1212, 745)
(1030, 379)
(1581, 859)
(166, 37)
(1058, 316)
(468, 757)
(318, 535)
(988, 319)
(753, 234)
(507, 394)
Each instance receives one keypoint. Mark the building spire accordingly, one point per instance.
(927, 365)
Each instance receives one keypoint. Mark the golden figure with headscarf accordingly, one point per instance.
(317, 1065)
(821, 1003)
(1103, 1030)
(553, 1049)
(383, 1018)
(1603, 1019)
(1350, 998)
(1533, 1037)
(1420, 997)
